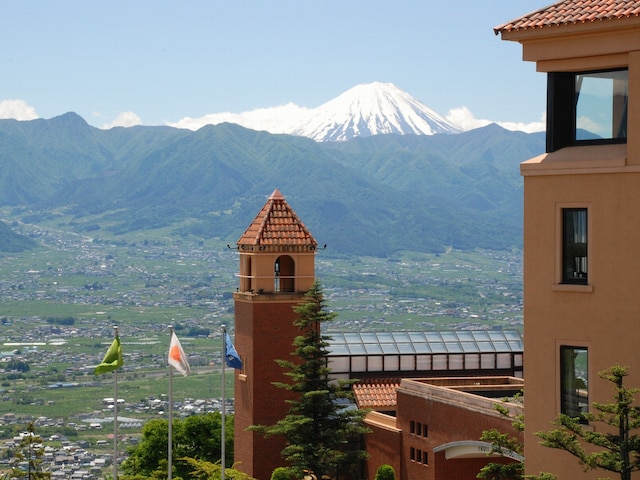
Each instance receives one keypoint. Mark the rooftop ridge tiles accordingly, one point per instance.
(569, 12)
(277, 224)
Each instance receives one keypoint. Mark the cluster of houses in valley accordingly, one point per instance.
(86, 455)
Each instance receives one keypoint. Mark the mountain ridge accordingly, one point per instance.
(370, 195)
(367, 109)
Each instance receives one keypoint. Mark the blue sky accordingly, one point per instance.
(156, 62)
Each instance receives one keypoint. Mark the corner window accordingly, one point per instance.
(586, 107)
(574, 246)
(574, 381)
(601, 105)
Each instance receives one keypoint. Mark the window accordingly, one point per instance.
(418, 456)
(601, 105)
(586, 107)
(574, 386)
(574, 246)
(419, 429)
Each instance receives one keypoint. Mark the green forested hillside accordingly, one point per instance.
(371, 195)
(11, 242)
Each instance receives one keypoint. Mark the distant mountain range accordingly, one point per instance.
(365, 110)
(371, 109)
(366, 196)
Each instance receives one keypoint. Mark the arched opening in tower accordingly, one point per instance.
(284, 274)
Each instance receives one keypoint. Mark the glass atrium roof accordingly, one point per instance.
(411, 343)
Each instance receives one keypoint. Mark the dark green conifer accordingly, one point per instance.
(615, 447)
(322, 428)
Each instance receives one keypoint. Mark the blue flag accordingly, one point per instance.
(231, 356)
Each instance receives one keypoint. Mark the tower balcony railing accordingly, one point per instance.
(279, 283)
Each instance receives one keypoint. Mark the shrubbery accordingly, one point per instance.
(385, 472)
(282, 473)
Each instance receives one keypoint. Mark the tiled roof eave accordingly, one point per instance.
(567, 13)
(569, 31)
(551, 26)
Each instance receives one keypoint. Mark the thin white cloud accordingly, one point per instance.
(285, 118)
(278, 119)
(590, 125)
(125, 119)
(464, 119)
(17, 109)
(532, 127)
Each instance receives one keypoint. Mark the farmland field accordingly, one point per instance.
(60, 302)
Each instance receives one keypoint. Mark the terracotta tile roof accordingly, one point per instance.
(376, 394)
(277, 224)
(569, 12)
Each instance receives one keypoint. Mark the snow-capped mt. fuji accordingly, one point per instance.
(371, 109)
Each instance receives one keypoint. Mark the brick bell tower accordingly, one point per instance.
(277, 267)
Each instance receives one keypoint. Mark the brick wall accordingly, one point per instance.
(383, 445)
(264, 331)
(428, 422)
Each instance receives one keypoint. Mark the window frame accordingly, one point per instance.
(580, 275)
(562, 98)
(579, 408)
(557, 285)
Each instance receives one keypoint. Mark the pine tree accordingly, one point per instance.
(502, 443)
(30, 454)
(321, 427)
(620, 448)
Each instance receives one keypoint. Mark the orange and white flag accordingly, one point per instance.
(177, 358)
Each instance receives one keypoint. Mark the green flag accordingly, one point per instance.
(112, 360)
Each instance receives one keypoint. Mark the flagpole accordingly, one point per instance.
(115, 417)
(224, 401)
(170, 437)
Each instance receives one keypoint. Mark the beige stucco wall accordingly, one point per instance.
(257, 269)
(605, 314)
